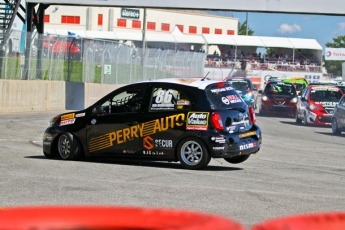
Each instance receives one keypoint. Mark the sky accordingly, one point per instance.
(322, 28)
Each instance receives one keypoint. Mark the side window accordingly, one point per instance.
(127, 101)
(168, 99)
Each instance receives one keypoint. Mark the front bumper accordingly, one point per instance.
(319, 118)
(278, 109)
(48, 139)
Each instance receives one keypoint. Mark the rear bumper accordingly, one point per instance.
(245, 143)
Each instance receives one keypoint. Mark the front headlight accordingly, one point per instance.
(294, 100)
(53, 120)
(313, 107)
(249, 95)
(264, 98)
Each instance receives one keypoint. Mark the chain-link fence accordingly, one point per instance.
(64, 58)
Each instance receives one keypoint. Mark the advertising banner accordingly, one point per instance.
(335, 54)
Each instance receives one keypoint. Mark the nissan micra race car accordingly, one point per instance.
(316, 104)
(165, 120)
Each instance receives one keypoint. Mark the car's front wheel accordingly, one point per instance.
(335, 129)
(69, 147)
(237, 159)
(192, 153)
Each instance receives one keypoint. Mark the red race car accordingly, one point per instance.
(278, 98)
(316, 104)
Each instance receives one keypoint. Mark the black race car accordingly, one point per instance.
(186, 120)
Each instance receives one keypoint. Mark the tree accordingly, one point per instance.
(242, 29)
(334, 67)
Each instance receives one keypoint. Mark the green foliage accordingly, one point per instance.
(242, 29)
(335, 67)
(270, 51)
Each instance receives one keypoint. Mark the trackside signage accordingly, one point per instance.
(335, 54)
(130, 13)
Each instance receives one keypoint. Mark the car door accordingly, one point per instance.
(165, 124)
(114, 126)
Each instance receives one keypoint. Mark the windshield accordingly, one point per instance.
(224, 96)
(240, 85)
(325, 94)
(280, 88)
(299, 86)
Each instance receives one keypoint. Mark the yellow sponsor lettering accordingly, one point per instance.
(126, 133)
(164, 125)
(119, 136)
(140, 130)
(179, 117)
(112, 137)
(134, 131)
(157, 127)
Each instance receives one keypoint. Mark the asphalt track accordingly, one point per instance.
(298, 170)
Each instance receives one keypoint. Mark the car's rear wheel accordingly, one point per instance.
(335, 129)
(192, 153)
(69, 147)
(237, 159)
(297, 119)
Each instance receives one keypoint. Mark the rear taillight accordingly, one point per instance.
(252, 115)
(217, 121)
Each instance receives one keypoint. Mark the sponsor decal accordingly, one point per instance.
(137, 131)
(327, 103)
(148, 143)
(221, 89)
(231, 129)
(93, 121)
(197, 121)
(67, 116)
(80, 115)
(246, 134)
(218, 148)
(67, 122)
(163, 143)
(46, 143)
(231, 99)
(129, 151)
(182, 102)
(247, 146)
(154, 153)
(218, 139)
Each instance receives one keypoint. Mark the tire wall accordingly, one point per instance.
(17, 96)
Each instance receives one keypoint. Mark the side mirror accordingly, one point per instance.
(260, 91)
(97, 110)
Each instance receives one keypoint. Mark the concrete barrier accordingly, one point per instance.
(25, 96)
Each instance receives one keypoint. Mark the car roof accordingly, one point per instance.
(192, 82)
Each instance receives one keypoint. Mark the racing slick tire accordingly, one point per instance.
(335, 129)
(297, 119)
(237, 159)
(69, 147)
(192, 153)
(305, 120)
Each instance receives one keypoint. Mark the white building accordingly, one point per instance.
(158, 21)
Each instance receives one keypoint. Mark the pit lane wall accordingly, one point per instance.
(26, 96)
